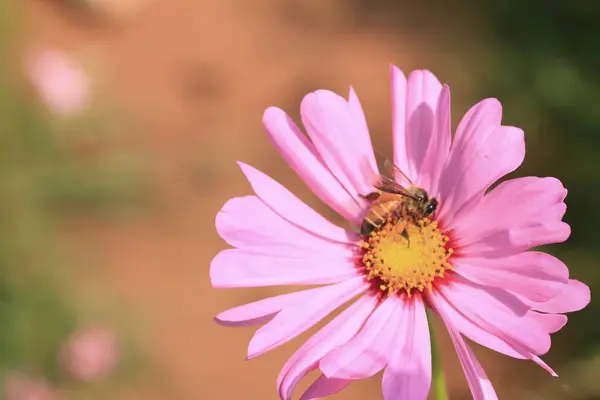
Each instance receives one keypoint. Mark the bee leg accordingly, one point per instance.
(371, 196)
(419, 226)
(366, 228)
(405, 236)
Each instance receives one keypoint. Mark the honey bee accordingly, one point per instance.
(391, 198)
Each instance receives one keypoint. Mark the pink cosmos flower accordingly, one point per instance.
(60, 82)
(21, 387)
(470, 262)
(90, 354)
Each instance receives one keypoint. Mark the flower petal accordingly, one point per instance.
(408, 374)
(534, 275)
(324, 387)
(399, 124)
(302, 156)
(367, 353)
(288, 206)
(240, 268)
(498, 312)
(486, 158)
(477, 121)
(534, 208)
(480, 385)
(423, 90)
(542, 364)
(363, 138)
(248, 223)
(439, 145)
(552, 323)
(341, 329)
(485, 338)
(296, 318)
(487, 113)
(259, 311)
(536, 235)
(524, 199)
(517, 239)
(332, 126)
(574, 297)
(468, 328)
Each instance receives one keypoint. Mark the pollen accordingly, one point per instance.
(403, 256)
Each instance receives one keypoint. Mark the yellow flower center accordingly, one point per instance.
(403, 256)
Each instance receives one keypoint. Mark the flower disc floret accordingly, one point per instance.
(402, 256)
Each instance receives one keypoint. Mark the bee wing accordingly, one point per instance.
(389, 185)
(393, 170)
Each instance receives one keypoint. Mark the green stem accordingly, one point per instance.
(438, 379)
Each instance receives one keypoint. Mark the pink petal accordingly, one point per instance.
(439, 145)
(422, 94)
(363, 139)
(408, 374)
(341, 329)
(302, 156)
(534, 275)
(483, 381)
(498, 312)
(574, 297)
(517, 239)
(288, 206)
(487, 157)
(551, 323)
(524, 199)
(248, 223)
(332, 126)
(296, 318)
(537, 235)
(468, 328)
(324, 387)
(542, 364)
(486, 113)
(399, 124)
(367, 353)
(527, 198)
(483, 116)
(482, 336)
(480, 385)
(240, 268)
(468, 365)
(259, 311)
(507, 217)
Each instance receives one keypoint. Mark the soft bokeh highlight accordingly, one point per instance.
(60, 81)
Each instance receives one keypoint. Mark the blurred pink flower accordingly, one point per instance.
(468, 261)
(21, 387)
(60, 81)
(90, 354)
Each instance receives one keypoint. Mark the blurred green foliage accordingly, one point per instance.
(35, 315)
(39, 179)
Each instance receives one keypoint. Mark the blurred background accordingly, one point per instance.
(120, 125)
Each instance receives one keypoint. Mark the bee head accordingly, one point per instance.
(431, 207)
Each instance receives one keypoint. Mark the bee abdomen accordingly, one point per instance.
(377, 216)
